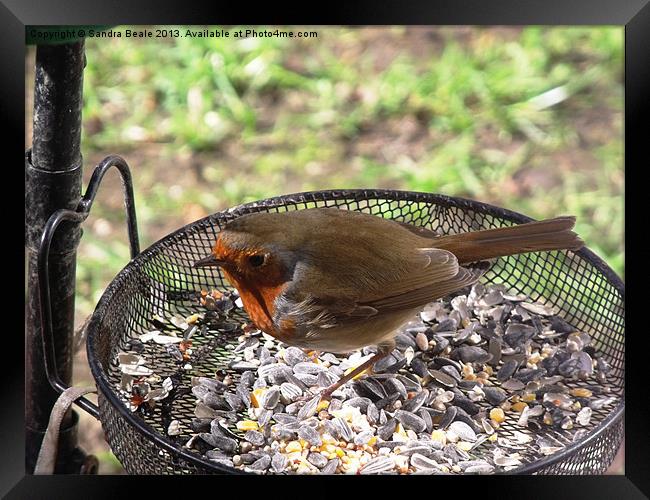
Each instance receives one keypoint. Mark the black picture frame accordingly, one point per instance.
(633, 14)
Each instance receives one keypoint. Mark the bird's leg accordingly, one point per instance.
(382, 351)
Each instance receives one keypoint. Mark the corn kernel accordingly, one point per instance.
(497, 415)
(372, 441)
(190, 320)
(293, 446)
(324, 403)
(247, 425)
(493, 438)
(351, 369)
(519, 407)
(256, 397)
(439, 435)
(464, 445)
(339, 452)
(529, 398)
(328, 448)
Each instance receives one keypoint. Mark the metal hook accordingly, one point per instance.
(78, 216)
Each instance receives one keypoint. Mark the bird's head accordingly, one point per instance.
(253, 249)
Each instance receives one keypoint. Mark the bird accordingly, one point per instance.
(337, 280)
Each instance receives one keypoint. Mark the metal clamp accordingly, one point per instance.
(79, 215)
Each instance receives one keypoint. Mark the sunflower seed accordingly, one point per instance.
(410, 420)
(234, 401)
(385, 432)
(584, 416)
(201, 424)
(254, 437)
(410, 382)
(325, 379)
(370, 388)
(463, 431)
(443, 379)
(309, 408)
(174, 428)
(372, 413)
(270, 398)
(308, 367)
(448, 417)
(222, 442)
(422, 341)
(261, 464)
(343, 429)
(422, 463)
(494, 395)
(290, 392)
(537, 308)
(278, 462)
(242, 366)
(507, 461)
(513, 385)
(204, 411)
(471, 354)
(307, 379)
(426, 417)
(518, 334)
(363, 437)
(310, 435)
(331, 466)
(317, 460)
(483, 468)
(415, 403)
(378, 465)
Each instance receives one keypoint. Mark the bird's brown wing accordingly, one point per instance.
(425, 294)
(433, 273)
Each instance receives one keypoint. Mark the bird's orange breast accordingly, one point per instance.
(259, 303)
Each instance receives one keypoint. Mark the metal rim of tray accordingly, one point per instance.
(107, 392)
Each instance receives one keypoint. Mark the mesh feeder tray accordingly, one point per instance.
(161, 282)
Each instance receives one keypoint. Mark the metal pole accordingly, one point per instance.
(53, 171)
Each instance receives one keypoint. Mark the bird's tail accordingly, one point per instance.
(550, 234)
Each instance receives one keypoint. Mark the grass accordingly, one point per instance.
(529, 119)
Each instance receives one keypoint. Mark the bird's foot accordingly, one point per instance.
(321, 394)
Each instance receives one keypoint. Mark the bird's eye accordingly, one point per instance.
(256, 260)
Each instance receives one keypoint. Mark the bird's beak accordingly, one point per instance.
(208, 261)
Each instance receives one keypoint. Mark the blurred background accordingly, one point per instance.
(530, 119)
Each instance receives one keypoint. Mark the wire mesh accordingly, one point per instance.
(162, 281)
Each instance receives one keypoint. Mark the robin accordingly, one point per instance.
(326, 279)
